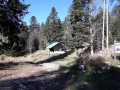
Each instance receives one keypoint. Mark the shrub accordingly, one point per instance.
(93, 62)
(2, 58)
(111, 40)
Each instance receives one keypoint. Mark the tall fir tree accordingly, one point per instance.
(33, 23)
(33, 39)
(115, 25)
(97, 23)
(67, 27)
(11, 15)
(80, 21)
(53, 27)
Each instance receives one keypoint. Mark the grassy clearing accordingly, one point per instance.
(92, 78)
(65, 62)
(42, 54)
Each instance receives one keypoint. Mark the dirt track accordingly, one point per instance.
(23, 77)
(26, 78)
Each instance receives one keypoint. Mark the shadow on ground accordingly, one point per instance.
(9, 65)
(55, 58)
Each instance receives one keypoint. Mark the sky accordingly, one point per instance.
(41, 9)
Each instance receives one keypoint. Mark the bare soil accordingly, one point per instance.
(22, 77)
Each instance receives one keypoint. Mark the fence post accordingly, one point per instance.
(114, 51)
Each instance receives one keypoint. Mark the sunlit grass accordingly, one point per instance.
(88, 79)
(66, 62)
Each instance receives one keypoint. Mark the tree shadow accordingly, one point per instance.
(41, 81)
(8, 65)
(58, 57)
(12, 65)
(94, 79)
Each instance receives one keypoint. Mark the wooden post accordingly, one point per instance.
(49, 53)
(114, 51)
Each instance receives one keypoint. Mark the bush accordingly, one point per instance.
(112, 39)
(93, 62)
(42, 45)
(11, 53)
(2, 58)
(1, 52)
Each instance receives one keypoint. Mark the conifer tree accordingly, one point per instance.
(53, 27)
(67, 27)
(115, 25)
(33, 39)
(80, 21)
(11, 15)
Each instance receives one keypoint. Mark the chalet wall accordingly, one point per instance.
(59, 47)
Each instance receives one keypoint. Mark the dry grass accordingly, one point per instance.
(35, 57)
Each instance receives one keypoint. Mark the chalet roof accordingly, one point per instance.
(52, 45)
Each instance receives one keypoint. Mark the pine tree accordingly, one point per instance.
(33, 39)
(67, 27)
(33, 23)
(53, 27)
(46, 30)
(80, 22)
(42, 39)
(11, 15)
(115, 25)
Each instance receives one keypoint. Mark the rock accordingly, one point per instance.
(81, 87)
(21, 85)
(103, 68)
(41, 88)
(108, 67)
(72, 75)
(99, 72)
(94, 71)
(81, 67)
(86, 83)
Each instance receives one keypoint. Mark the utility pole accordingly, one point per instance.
(107, 37)
(103, 26)
(91, 32)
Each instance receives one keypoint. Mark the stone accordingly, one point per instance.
(99, 72)
(81, 67)
(103, 68)
(108, 67)
(86, 83)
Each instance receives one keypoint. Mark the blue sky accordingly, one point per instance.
(42, 8)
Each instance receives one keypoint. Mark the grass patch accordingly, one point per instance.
(42, 54)
(66, 62)
(92, 78)
(25, 55)
(9, 65)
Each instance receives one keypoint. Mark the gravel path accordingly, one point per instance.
(28, 77)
